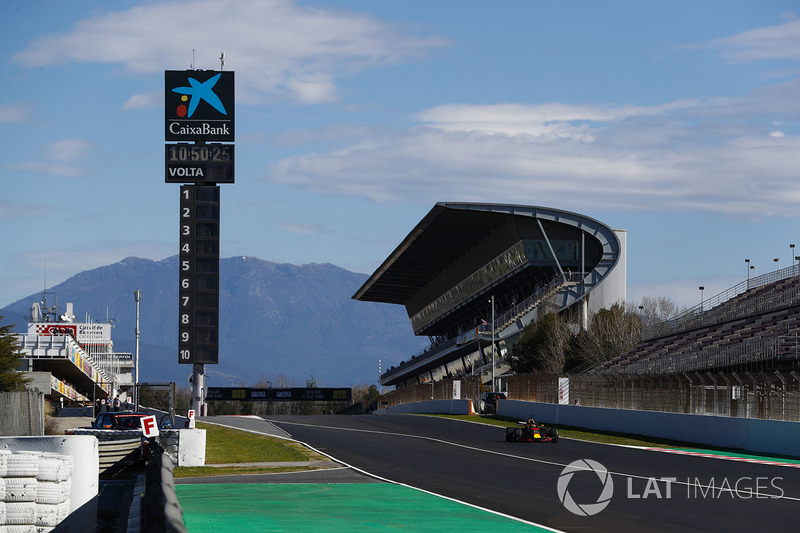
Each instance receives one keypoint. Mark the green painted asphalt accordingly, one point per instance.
(351, 507)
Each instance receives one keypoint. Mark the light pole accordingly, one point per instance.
(747, 261)
(777, 260)
(493, 386)
(753, 268)
(791, 248)
(701, 297)
(137, 295)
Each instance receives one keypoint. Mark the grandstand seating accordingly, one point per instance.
(759, 327)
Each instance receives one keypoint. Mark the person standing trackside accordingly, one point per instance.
(116, 403)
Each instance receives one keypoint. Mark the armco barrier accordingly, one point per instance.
(161, 510)
(444, 407)
(750, 434)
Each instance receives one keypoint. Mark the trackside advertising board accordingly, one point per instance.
(278, 395)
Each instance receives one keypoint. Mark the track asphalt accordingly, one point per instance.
(329, 500)
(345, 499)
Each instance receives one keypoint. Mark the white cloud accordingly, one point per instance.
(274, 46)
(14, 112)
(150, 100)
(53, 169)
(781, 41)
(303, 229)
(60, 158)
(68, 149)
(549, 120)
(18, 211)
(686, 155)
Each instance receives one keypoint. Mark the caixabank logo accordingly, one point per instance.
(199, 105)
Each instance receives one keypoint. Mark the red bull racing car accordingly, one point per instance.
(531, 431)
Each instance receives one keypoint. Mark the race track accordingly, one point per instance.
(652, 491)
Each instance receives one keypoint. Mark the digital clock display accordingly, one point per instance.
(199, 153)
(199, 163)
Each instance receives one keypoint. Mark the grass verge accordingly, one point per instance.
(230, 446)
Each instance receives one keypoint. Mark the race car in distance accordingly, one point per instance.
(531, 431)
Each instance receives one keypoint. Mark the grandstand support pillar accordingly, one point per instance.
(702, 409)
(729, 396)
(754, 411)
(584, 322)
(713, 398)
(797, 378)
(783, 395)
(690, 406)
(741, 384)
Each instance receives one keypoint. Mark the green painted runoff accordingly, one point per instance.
(354, 507)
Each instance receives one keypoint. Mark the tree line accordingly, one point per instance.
(556, 345)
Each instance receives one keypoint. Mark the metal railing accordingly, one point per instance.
(542, 295)
(711, 311)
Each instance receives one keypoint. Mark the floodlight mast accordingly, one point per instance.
(137, 295)
(493, 384)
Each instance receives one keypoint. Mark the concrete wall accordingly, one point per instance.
(187, 447)
(613, 288)
(754, 435)
(445, 407)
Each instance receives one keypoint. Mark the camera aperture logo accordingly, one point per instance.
(585, 509)
(641, 488)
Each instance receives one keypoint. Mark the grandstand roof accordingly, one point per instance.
(443, 235)
(445, 232)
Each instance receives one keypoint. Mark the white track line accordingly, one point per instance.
(386, 480)
(503, 454)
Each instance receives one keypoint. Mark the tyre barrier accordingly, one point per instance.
(34, 490)
(116, 454)
(117, 449)
(161, 510)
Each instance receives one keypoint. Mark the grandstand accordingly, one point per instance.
(753, 326)
(474, 275)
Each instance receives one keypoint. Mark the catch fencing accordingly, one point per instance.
(764, 395)
(769, 396)
(435, 390)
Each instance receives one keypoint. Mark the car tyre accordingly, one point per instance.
(553, 433)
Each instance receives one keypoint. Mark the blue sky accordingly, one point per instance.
(677, 122)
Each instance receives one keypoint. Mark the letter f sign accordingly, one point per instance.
(149, 426)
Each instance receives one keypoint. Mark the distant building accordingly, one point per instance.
(469, 274)
(72, 363)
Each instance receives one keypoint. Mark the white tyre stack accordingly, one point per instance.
(34, 491)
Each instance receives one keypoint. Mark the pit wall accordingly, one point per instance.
(754, 435)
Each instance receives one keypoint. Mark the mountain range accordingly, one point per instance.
(280, 323)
